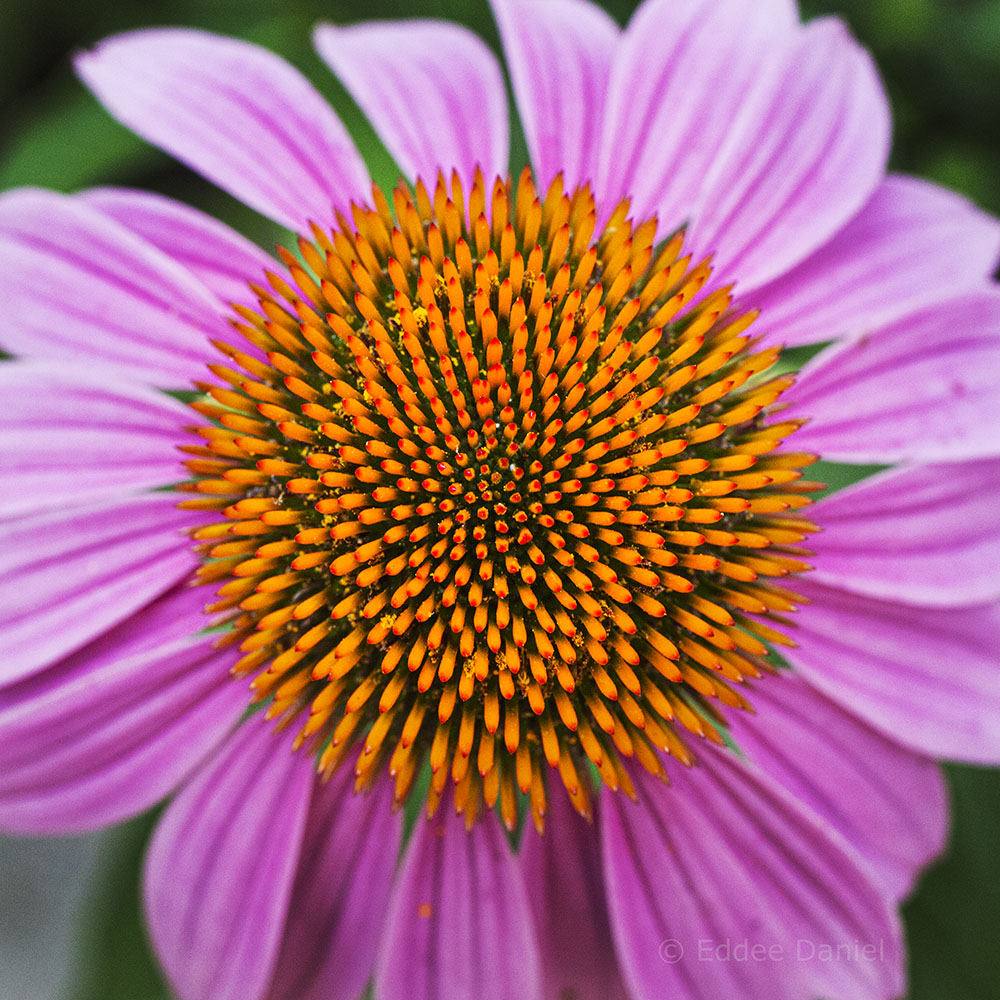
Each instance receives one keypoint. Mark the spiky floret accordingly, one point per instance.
(499, 495)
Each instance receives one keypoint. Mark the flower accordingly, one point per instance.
(497, 488)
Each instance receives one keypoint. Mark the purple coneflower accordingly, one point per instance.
(497, 487)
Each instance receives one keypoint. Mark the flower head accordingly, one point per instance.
(502, 497)
(495, 489)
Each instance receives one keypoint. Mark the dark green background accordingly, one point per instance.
(941, 63)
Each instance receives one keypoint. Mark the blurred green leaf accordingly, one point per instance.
(836, 475)
(115, 962)
(72, 143)
(953, 919)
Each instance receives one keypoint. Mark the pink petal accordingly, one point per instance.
(110, 730)
(459, 925)
(912, 244)
(221, 865)
(341, 893)
(70, 575)
(804, 154)
(889, 803)
(681, 74)
(924, 389)
(926, 677)
(433, 91)
(562, 871)
(926, 535)
(234, 112)
(725, 858)
(71, 436)
(559, 55)
(218, 256)
(78, 286)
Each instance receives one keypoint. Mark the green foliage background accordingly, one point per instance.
(941, 63)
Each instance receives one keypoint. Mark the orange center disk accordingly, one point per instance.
(499, 495)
